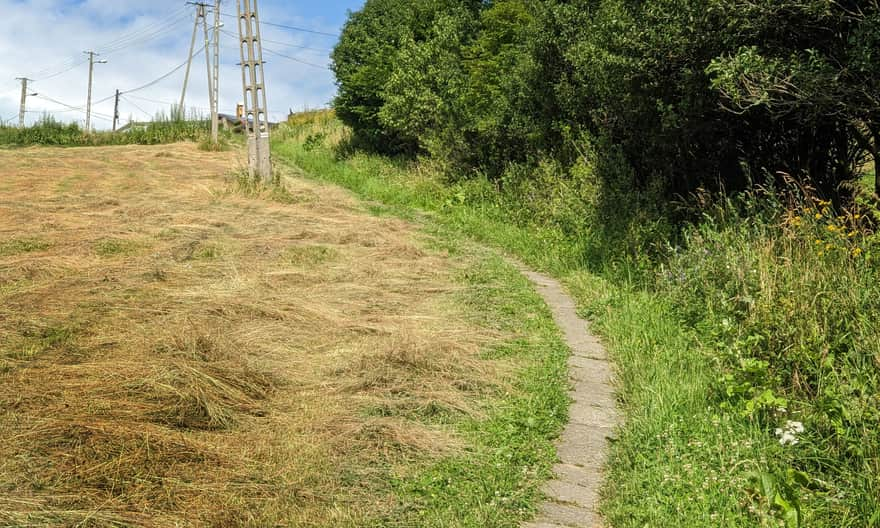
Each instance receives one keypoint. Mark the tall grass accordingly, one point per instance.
(164, 128)
(747, 345)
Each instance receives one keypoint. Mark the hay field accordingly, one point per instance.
(177, 351)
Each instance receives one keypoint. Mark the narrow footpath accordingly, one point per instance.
(574, 494)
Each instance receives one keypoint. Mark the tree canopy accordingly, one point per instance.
(695, 94)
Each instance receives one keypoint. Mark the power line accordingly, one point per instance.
(70, 108)
(62, 72)
(159, 33)
(162, 78)
(149, 84)
(132, 103)
(167, 103)
(294, 59)
(286, 44)
(291, 28)
(136, 37)
(146, 33)
(138, 33)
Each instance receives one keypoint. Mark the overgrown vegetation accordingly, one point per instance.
(706, 158)
(689, 94)
(162, 129)
(747, 349)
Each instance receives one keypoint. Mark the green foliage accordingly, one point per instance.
(784, 298)
(161, 130)
(17, 246)
(365, 59)
(694, 94)
(812, 65)
(748, 347)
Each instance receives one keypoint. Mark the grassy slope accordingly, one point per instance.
(495, 483)
(676, 461)
(357, 419)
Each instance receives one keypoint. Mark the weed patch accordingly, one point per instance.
(309, 255)
(18, 246)
(111, 247)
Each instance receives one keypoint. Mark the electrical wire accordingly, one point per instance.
(151, 83)
(167, 75)
(62, 72)
(291, 28)
(156, 101)
(132, 103)
(144, 34)
(70, 108)
(155, 35)
(174, 17)
(286, 44)
(294, 59)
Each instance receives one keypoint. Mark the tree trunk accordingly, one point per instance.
(871, 143)
(875, 131)
(876, 171)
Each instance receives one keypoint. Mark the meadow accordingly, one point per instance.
(180, 347)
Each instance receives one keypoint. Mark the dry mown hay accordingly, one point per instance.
(176, 353)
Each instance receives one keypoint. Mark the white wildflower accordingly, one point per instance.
(788, 435)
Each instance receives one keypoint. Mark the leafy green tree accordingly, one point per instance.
(814, 64)
(366, 57)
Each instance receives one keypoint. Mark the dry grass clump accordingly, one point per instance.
(201, 382)
(177, 352)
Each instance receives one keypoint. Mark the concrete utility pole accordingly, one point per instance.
(24, 96)
(215, 84)
(202, 16)
(192, 48)
(254, 86)
(208, 56)
(116, 111)
(92, 63)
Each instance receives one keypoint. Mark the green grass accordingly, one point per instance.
(111, 247)
(761, 317)
(496, 482)
(162, 129)
(661, 383)
(17, 246)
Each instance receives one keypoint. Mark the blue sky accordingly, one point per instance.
(143, 41)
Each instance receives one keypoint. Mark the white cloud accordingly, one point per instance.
(45, 37)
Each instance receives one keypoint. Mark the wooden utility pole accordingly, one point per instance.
(24, 96)
(92, 62)
(116, 111)
(254, 88)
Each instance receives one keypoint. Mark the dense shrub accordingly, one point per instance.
(697, 94)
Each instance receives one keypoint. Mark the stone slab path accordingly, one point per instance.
(574, 494)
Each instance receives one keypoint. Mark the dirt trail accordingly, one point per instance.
(573, 495)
